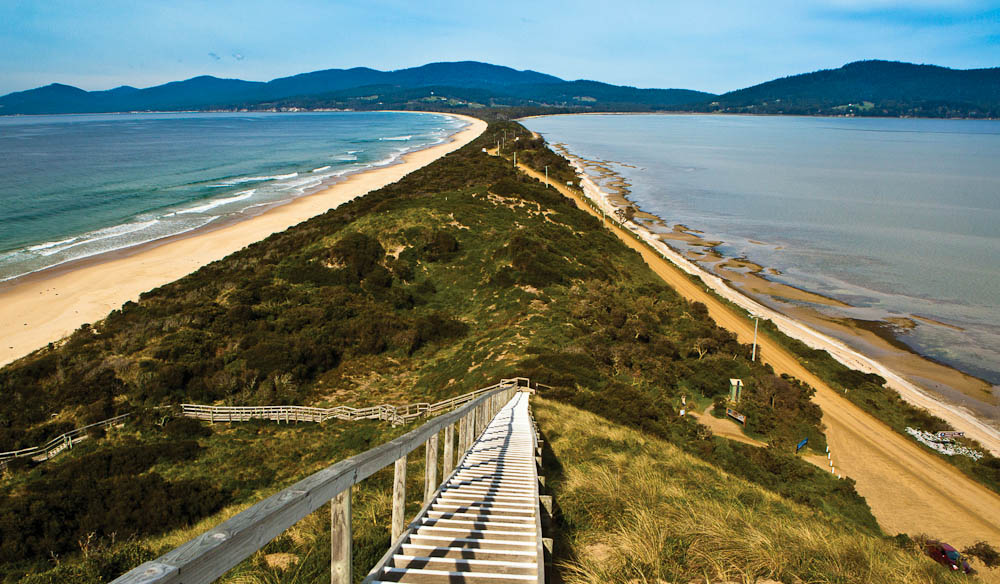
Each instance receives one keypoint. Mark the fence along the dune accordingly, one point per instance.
(213, 553)
(59, 443)
(390, 413)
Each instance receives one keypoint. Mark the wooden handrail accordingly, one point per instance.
(391, 413)
(213, 553)
(59, 443)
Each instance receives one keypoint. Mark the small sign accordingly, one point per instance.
(800, 445)
(950, 434)
(736, 416)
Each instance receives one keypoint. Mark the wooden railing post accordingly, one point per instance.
(431, 469)
(340, 538)
(483, 420)
(398, 498)
(463, 435)
(473, 420)
(449, 450)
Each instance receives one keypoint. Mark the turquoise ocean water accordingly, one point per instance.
(74, 186)
(896, 217)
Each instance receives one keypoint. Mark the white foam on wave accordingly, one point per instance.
(321, 169)
(99, 235)
(239, 181)
(397, 138)
(50, 244)
(386, 161)
(301, 185)
(216, 203)
(346, 158)
(122, 230)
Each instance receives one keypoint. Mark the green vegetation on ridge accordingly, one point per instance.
(457, 275)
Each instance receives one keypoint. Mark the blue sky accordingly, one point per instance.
(713, 46)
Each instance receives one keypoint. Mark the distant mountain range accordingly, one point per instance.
(358, 87)
(861, 88)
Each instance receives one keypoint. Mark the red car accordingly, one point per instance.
(946, 555)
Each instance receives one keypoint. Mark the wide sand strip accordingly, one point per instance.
(46, 306)
(909, 490)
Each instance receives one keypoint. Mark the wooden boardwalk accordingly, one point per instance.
(483, 524)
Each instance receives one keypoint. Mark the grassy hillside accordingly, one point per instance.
(638, 509)
(459, 274)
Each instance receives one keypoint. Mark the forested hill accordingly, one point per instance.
(880, 88)
(863, 88)
(465, 84)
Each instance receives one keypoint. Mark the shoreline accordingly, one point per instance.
(47, 305)
(747, 114)
(928, 494)
(797, 325)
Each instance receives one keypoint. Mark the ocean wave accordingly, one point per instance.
(50, 244)
(99, 235)
(216, 203)
(301, 185)
(131, 228)
(346, 158)
(239, 181)
(397, 138)
(385, 161)
(321, 169)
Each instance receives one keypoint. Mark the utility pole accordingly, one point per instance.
(515, 159)
(753, 353)
(546, 176)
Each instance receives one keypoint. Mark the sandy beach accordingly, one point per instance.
(46, 306)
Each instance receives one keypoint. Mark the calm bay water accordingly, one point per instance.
(896, 217)
(77, 185)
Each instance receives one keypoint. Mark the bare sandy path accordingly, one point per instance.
(908, 489)
(723, 428)
(45, 307)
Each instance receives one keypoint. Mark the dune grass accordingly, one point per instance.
(638, 509)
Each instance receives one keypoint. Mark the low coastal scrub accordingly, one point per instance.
(636, 508)
(81, 518)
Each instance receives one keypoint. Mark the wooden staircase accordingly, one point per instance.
(483, 524)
